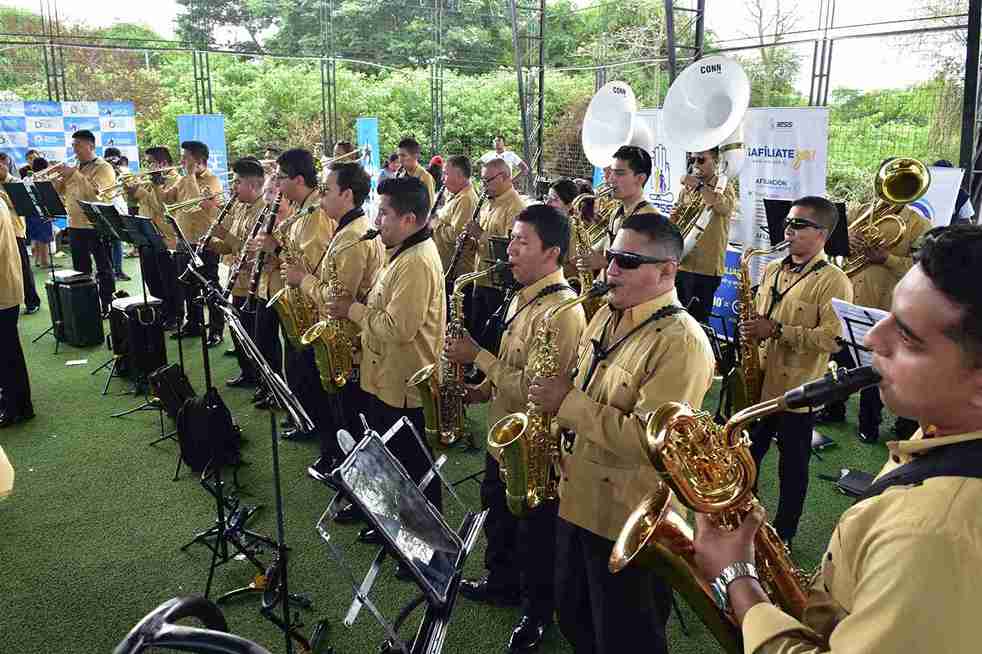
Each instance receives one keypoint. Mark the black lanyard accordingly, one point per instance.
(600, 353)
(620, 214)
(777, 296)
(548, 290)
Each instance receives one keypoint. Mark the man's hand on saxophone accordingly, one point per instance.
(461, 350)
(595, 261)
(758, 329)
(339, 306)
(293, 274)
(548, 393)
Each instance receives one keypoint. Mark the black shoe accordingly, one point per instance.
(369, 536)
(297, 435)
(287, 423)
(187, 331)
(122, 277)
(527, 634)
(349, 514)
(827, 415)
(868, 435)
(482, 590)
(259, 395)
(10, 418)
(215, 340)
(229, 352)
(403, 573)
(240, 382)
(29, 310)
(321, 469)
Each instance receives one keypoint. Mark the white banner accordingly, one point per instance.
(667, 165)
(938, 203)
(787, 158)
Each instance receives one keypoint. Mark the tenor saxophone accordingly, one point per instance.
(583, 243)
(334, 348)
(297, 312)
(443, 396)
(711, 470)
(523, 443)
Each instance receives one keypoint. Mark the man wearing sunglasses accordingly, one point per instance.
(497, 217)
(639, 352)
(702, 269)
(628, 173)
(797, 330)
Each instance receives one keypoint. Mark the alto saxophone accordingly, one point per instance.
(711, 470)
(583, 242)
(334, 348)
(525, 446)
(443, 397)
(296, 311)
(746, 385)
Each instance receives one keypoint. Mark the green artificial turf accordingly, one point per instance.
(89, 541)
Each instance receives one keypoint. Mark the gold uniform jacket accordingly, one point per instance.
(11, 276)
(152, 207)
(670, 360)
(496, 219)
(708, 257)
(193, 223)
(450, 221)
(309, 234)
(84, 184)
(901, 573)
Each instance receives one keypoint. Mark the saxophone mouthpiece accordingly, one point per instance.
(834, 386)
(370, 234)
(599, 288)
(502, 265)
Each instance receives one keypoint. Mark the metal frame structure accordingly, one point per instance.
(202, 82)
(329, 78)
(673, 46)
(528, 24)
(818, 93)
(54, 56)
(970, 156)
(437, 103)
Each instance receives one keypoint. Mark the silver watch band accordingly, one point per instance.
(729, 574)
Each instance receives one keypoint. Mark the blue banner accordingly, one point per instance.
(724, 302)
(210, 130)
(366, 131)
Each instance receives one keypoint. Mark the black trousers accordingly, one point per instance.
(14, 382)
(161, 275)
(86, 246)
(31, 298)
(248, 321)
(194, 311)
(403, 445)
(794, 444)
(696, 293)
(600, 612)
(486, 302)
(521, 551)
(304, 380)
(343, 410)
(267, 335)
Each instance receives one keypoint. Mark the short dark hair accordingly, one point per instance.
(298, 161)
(461, 163)
(498, 137)
(638, 160)
(32, 151)
(248, 167)
(196, 149)
(123, 161)
(826, 214)
(346, 146)
(25, 170)
(39, 164)
(111, 152)
(565, 189)
(352, 176)
(947, 255)
(550, 224)
(660, 230)
(393, 157)
(84, 135)
(159, 153)
(407, 195)
(410, 145)
(6, 159)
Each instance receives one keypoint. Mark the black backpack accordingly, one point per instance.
(207, 433)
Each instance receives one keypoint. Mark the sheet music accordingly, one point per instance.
(856, 321)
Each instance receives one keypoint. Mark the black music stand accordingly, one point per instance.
(40, 200)
(415, 534)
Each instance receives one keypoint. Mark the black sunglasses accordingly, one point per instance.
(800, 223)
(630, 260)
(699, 160)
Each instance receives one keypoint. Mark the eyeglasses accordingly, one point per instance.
(796, 224)
(631, 260)
(697, 160)
(488, 180)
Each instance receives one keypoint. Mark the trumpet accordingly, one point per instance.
(52, 172)
(107, 193)
(189, 205)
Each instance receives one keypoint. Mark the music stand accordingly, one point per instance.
(40, 200)
(414, 531)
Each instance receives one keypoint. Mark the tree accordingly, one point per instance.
(773, 73)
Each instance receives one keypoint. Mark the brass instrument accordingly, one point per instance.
(711, 470)
(898, 182)
(586, 236)
(297, 312)
(126, 179)
(188, 205)
(51, 173)
(524, 442)
(334, 347)
(443, 400)
(748, 379)
(464, 237)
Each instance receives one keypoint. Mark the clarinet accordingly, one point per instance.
(463, 238)
(257, 268)
(240, 259)
(206, 239)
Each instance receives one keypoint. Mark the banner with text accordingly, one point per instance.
(210, 130)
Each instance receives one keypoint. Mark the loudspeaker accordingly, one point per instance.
(137, 334)
(77, 311)
(171, 386)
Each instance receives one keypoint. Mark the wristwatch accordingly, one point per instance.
(778, 330)
(730, 573)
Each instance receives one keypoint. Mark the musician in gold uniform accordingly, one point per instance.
(32, 303)
(628, 174)
(342, 196)
(197, 182)
(702, 269)
(873, 287)
(82, 182)
(562, 192)
(520, 553)
(899, 571)
(15, 385)
(452, 218)
(308, 237)
(409, 162)
(402, 322)
(497, 216)
(230, 239)
(638, 352)
(797, 329)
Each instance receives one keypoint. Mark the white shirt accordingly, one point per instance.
(967, 210)
(510, 158)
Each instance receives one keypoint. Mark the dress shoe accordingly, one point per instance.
(215, 340)
(240, 382)
(403, 573)
(825, 416)
(298, 435)
(187, 331)
(266, 403)
(259, 395)
(527, 634)
(287, 423)
(868, 435)
(230, 352)
(122, 277)
(349, 514)
(29, 310)
(482, 590)
(8, 418)
(370, 536)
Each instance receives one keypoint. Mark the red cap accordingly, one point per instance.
(437, 160)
